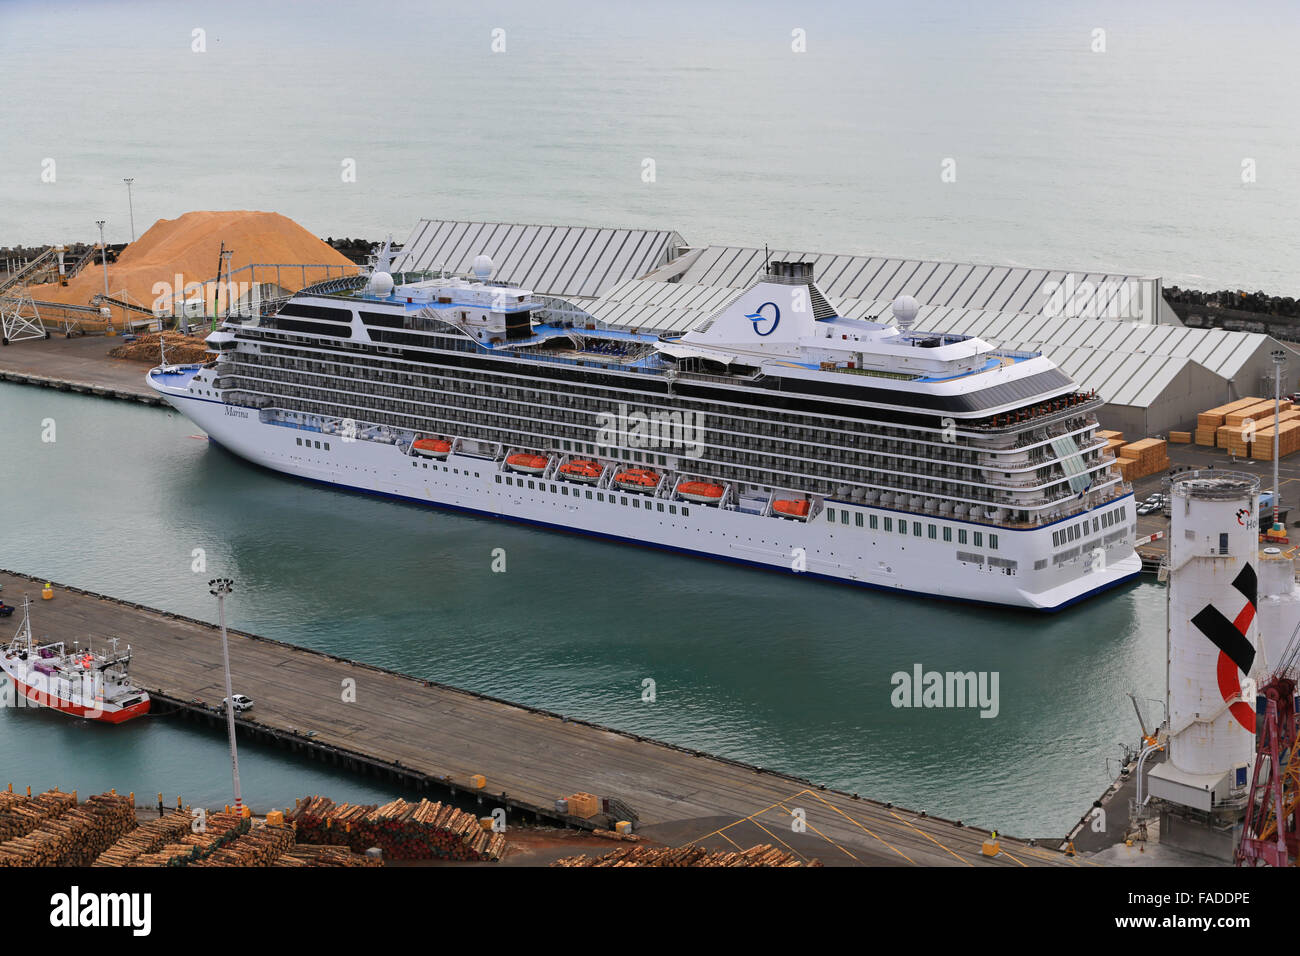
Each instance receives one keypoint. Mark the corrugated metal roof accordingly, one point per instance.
(575, 261)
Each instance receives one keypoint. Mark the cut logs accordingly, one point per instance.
(404, 831)
(75, 837)
(148, 838)
(690, 855)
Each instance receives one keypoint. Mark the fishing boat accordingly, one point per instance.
(80, 683)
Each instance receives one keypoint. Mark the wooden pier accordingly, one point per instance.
(77, 365)
(436, 738)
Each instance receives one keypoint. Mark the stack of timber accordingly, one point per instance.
(690, 855)
(1235, 440)
(1210, 421)
(147, 838)
(1288, 440)
(1145, 457)
(262, 845)
(1180, 438)
(24, 814)
(73, 838)
(404, 831)
(1246, 420)
(311, 855)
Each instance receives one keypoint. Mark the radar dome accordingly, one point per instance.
(905, 309)
(483, 267)
(381, 283)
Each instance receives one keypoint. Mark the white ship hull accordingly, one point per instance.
(815, 548)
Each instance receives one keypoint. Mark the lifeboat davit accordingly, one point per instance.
(704, 492)
(585, 471)
(637, 479)
(791, 508)
(528, 464)
(431, 447)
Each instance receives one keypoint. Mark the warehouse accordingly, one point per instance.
(1111, 332)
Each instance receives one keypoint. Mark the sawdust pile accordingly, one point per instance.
(190, 247)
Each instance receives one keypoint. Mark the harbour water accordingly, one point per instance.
(781, 672)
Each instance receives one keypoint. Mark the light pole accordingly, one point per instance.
(130, 205)
(103, 257)
(220, 587)
(1279, 359)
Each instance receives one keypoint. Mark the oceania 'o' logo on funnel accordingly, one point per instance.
(758, 317)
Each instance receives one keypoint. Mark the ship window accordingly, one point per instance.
(475, 473)
(659, 506)
(532, 486)
(672, 509)
(327, 446)
(498, 479)
(317, 444)
(902, 526)
(830, 514)
(1056, 539)
(686, 512)
(636, 502)
(889, 524)
(298, 440)
(844, 517)
(624, 497)
(1096, 525)
(947, 534)
(589, 496)
(1223, 544)
(932, 531)
(857, 519)
(916, 528)
(961, 535)
(874, 521)
(979, 539)
(564, 491)
(509, 480)
(993, 542)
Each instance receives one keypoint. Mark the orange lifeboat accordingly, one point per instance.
(528, 464)
(586, 472)
(431, 447)
(791, 508)
(704, 492)
(637, 479)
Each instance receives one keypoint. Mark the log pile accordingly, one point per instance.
(73, 838)
(309, 855)
(404, 831)
(219, 829)
(24, 814)
(180, 348)
(690, 855)
(148, 838)
(260, 846)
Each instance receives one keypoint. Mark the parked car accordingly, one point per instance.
(1152, 505)
(242, 703)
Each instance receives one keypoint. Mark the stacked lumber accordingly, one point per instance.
(584, 805)
(24, 814)
(1110, 436)
(690, 855)
(308, 855)
(1180, 438)
(1210, 421)
(260, 846)
(73, 838)
(1145, 457)
(1232, 439)
(1288, 441)
(404, 831)
(1251, 413)
(148, 838)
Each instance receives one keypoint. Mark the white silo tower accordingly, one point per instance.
(1279, 610)
(1212, 641)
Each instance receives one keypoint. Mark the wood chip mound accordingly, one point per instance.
(690, 855)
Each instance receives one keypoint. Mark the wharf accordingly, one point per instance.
(78, 364)
(434, 738)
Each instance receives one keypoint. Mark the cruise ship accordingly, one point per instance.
(776, 433)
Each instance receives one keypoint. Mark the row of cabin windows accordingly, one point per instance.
(566, 489)
(309, 442)
(919, 529)
(454, 471)
(1080, 529)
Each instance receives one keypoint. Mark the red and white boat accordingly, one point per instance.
(587, 472)
(79, 683)
(528, 464)
(705, 492)
(791, 508)
(431, 447)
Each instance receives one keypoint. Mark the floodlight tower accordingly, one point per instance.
(220, 588)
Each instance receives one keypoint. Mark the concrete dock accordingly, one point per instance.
(435, 738)
(79, 364)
